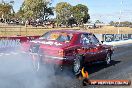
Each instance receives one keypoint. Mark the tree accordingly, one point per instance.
(20, 14)
(71, 21)
(11, 3)
(5, 10)
(111, 23)
(80, 13)
(63, 11)
(98, 21)
(36, 9)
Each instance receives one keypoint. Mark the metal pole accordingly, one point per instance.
(120, 15)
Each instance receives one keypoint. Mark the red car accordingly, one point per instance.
(69, 48)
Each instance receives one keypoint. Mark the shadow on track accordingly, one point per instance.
(89, 68)
(97, 67)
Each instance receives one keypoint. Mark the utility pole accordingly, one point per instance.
(121, 3)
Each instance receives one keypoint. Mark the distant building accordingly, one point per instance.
(94, 25)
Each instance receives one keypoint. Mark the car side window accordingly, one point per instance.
(62, 38)
(84, 40)
(93, 39)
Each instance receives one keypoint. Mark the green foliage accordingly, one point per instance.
(20, 14)
(64, 12)
(80, 12)
(5, 10)
(111, 23)
(98, 21)
(36, 9)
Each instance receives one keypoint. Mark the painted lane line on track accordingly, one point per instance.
(7, 54)
(1, 53)
(23, 52)
(14, 53)
(11, 53)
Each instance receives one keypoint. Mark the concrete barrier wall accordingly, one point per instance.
(12, 42)
(113, 37)
(116, 37)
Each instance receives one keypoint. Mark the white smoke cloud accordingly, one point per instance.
(16, 71)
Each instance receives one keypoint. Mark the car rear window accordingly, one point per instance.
(58, 36)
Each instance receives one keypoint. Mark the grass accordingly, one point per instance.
(112, 30)
(32, 31)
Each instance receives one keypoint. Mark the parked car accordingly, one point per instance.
(68, 48)
(36, 23)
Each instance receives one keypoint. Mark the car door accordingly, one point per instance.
(98, 49)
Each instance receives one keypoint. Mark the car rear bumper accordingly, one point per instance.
(54, 60)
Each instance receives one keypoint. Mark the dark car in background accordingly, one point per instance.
(36, 23)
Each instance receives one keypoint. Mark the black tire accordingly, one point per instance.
(77, 65)
(108, 59)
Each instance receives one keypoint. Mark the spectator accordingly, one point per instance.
(26, 23)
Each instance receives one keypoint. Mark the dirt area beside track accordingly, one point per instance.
(6, 30)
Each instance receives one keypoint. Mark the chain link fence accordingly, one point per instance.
(21, 31)
(37, 31)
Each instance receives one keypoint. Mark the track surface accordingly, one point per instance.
(16, 72)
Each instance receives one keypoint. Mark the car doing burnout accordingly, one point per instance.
(68, 48)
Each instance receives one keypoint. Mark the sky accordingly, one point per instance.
(103, 10)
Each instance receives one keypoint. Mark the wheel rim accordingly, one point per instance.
(108, 59)
(76, 65)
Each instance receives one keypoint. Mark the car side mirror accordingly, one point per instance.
(102, 42)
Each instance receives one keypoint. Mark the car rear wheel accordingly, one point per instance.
(77, 65)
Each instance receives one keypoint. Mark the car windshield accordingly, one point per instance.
(58, 36)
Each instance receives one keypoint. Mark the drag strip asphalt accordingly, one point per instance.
(16, 71)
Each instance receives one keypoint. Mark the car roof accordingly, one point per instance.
(71, 31)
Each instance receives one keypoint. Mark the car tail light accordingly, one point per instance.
(61, 53)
